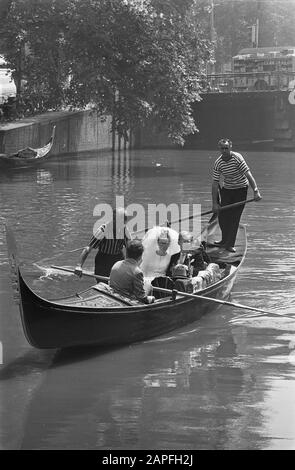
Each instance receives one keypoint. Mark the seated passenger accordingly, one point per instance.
(192, 254)
(180, 271)
(181, 276)
(126, 276)
(160, 244)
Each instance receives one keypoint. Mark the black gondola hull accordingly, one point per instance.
(96, 318)
(48, 325)
(15, 161)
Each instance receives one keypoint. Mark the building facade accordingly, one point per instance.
(264, 68)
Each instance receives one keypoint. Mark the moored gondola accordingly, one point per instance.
(27, 157)
(99, 316)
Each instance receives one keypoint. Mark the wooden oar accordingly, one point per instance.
(84, 273)
(230, 206)
(184, 294)
(222, 302)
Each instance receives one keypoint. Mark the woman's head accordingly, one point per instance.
(164, 240)
(160, 243)
(160, 239)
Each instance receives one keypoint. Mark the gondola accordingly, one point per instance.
(27, 157)
(99, 317)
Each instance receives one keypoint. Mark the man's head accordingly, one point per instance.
(187, 242)
(134, 249)
(225, 146)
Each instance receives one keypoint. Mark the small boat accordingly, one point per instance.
(28, 156)
(98, 316)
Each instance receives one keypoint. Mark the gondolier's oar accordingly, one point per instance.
(184, 294)
(84, 273)
(222, 302)
(229, 206)
(223, 208)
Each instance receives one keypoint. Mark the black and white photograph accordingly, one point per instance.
(147, 228)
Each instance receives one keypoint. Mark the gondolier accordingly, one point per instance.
(109, 240)
(236, 175)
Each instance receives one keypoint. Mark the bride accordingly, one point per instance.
(160, 243)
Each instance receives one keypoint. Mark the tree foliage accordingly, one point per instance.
(136, 60)
(32, 39)
(132, 59)
(233, 20)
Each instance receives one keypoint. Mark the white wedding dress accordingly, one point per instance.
(153, 263)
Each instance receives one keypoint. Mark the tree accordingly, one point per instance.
(32, 42)
(136, 61)
(234, 18)
(4, 8)
(132, 59)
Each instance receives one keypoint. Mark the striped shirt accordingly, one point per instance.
(106, 242)
(233, 171)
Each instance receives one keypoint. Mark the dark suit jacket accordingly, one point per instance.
(127, 278)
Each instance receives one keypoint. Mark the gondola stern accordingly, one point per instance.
(52, 134)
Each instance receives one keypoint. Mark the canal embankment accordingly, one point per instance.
(253, 120)
(80, 131)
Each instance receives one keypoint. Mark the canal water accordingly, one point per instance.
(224, 382)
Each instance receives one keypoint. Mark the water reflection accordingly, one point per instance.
(122, 173)
(44, 177)
(204, 392)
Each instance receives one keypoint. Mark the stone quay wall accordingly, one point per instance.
(258, 120)
(81, 131)
(253, 120)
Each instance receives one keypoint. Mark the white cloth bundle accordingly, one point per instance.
(206, 277)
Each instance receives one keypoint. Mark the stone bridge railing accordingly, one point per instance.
(249, 81)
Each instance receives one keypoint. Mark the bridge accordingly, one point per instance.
(232, 82)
